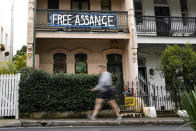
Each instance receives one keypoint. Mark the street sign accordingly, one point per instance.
(129, 101)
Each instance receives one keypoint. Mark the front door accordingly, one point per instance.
(114, 66)
(162, 21)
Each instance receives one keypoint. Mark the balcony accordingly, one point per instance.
(82, 21)
(166, 26)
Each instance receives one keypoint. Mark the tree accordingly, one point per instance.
(19, 62)
(178, 65)
(20, 52)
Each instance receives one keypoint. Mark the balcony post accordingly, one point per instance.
(132, 45)
(30, 35)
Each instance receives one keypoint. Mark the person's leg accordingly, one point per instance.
(115, 107)
(98, 105)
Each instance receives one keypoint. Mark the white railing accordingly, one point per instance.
(9, 95)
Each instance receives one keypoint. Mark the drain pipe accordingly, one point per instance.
(34, 32)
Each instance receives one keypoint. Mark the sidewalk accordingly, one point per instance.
(86, 122)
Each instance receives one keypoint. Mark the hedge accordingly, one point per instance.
(40, 91)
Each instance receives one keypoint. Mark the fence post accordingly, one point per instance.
(17, 95)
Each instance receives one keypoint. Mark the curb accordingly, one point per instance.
(52, 123)
(10, 123)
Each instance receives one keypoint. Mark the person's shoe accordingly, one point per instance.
(118, 118)
(90, 117)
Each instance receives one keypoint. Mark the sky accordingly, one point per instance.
(20, 23)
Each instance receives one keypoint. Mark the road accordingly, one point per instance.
(118, 128)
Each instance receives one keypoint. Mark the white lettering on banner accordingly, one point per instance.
(105, 23)
(54, 18)
(60, 19)
(92, 21)
(64, 19)
(82, 17)
(68, 19)
(110, 20)
(87, 20)
(84, 20)
(77, 20)
(97, 21)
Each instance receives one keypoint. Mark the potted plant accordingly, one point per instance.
(7, 53)
(2, 47)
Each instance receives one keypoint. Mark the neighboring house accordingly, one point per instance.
(75, 36)
(5, 30)
(160, 23)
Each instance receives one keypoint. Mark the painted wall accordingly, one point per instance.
(5, 27)
(116, 5)
(96, 51)
(152, 55)
(174, 5)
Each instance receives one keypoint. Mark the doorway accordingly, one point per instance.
(114, 66)
(163, 24)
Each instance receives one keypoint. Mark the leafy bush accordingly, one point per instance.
(7, 68)
(189, 103)
(40, 91)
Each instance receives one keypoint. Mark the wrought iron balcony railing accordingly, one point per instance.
(165, 26)
(82, 21)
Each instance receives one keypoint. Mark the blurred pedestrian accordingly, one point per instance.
(105, 90)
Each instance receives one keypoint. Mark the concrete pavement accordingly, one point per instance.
(86, 122)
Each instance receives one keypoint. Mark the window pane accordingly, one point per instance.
(85, 5)
(106, 5)
(160, 2)
(80, 63)
(183, 5)
(59, 63)
(75, 5)
(53, 4)
(80, 4)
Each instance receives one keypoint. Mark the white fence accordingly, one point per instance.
(9, 95)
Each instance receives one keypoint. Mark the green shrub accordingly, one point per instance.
(40, 91)
(178, 64)
(189, 104)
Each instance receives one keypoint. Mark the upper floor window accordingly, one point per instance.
(184, 11)
(106, 5)
(80, 4)
(160, 1)
(138, 11)
(6, 38)
(53, 4)
(80, 63)
(1, 36)
(59, 63)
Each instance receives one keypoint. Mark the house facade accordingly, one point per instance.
(128, 36)
(5, 30)
(160, 23)
(75, 36)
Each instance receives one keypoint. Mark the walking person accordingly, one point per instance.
(106, 93)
